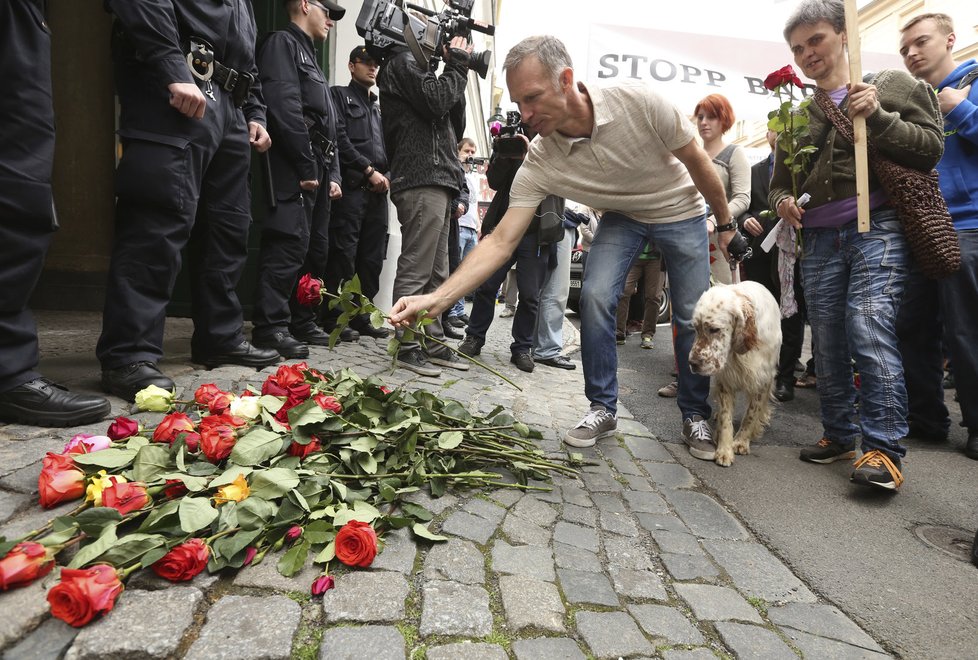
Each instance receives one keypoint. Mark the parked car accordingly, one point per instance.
(577, 278)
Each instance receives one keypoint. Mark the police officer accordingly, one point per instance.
(358, 227)
(305, 176)
(185, 74)
(27, 221)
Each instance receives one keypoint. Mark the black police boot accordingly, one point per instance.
(284, 344)
(244, 354)
(784, 390)
(363, 326)
(125, 381)
(41, 402)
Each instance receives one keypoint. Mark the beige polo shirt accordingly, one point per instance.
(626, 165)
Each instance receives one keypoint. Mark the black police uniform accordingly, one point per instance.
(358, 227)
(295, 233)
(180, 181)
(27, 220)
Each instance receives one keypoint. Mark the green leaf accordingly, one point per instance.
(109, 459)
(152, 557)
(327, 555)
(367, 463)
(136, 442)
(163, 518)
(450, 439)
(306, 413)
(522, 429)
(132, 547)
(255, 513)
(362, 511)
(229, 475)
(196, 513)
(257, 446)
(94, 550)
(231, 548)
(294, 559)
(319, 531)
(423, 532)
(193, 484)
(417, 511)
(273, 483)
(93, 521)
(271, 403)
(376, 318)
(151, 461)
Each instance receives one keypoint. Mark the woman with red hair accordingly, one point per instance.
(714, 117)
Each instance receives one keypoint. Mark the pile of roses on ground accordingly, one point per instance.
(311, 464)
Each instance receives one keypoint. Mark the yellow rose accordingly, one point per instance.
(154, 399)
(233, 492)
(99, 483)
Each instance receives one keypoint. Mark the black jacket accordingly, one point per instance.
(299, 101)
(360, 133)
(423, 116)
(548, 221)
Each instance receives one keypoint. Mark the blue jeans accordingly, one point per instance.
(853, 287)
(468, 238)
(685, 247)
(549, 340)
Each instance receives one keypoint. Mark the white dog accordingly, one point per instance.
(738, 339)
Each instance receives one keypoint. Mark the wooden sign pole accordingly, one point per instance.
(858, 123)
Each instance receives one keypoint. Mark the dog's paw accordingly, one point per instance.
(724, 457)
(741, 447)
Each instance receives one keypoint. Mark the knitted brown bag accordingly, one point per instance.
(917, 198)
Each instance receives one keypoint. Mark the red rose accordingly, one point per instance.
(356, 544)
(83, 594)
(250, 553)
(174, 488)
(309, 290)
(184, 561)
(171, 427)
(330, 403)
(322, 584)
(25, 563)
(220, 403)
(125, 497)
(217, 441)
(60, 480)
(283, 381)
(314, 445)
(294, 532)
(784, 76)
(385, 389)
(122, 428)
(205, 393)
(192, 440)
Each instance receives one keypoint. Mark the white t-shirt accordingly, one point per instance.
(625, 166)
(471, 217)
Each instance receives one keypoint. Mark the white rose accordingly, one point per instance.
(248, 407)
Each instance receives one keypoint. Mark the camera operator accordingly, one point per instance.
(532, 257)
(305, 177)
(423, 114)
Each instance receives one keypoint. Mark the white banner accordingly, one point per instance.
(686, 67)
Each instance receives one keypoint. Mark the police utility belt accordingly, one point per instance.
(207, 69)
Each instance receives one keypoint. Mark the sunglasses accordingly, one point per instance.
(325, 9)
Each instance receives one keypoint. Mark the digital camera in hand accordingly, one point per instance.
(385, 25)
(508, 139)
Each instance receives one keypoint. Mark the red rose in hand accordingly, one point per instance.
(295, 449)
(125, 497)
(330, 403)
(83, 594)
(309, 290)
(205, 393)
(122, 428)
(217, 441)
(356, 544)
(25, 563)
(783, 76)
(184, 561)
(60, 480)
(171, 427)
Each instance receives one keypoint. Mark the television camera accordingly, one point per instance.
(509, 140)
(387, 24)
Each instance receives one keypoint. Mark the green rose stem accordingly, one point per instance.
(368, 308)
(44, 529)
(226, 532)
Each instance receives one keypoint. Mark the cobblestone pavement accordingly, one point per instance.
(632, 559)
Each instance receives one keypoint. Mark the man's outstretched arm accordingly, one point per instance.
(483, 261)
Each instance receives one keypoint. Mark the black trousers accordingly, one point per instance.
(26, 203)
(357, 243)
(532, 265)
(180, 182)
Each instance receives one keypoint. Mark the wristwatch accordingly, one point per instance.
(730, 226)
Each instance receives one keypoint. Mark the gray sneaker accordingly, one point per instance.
(699, 438)
(417, 362)
(597, 424)
(450, 360)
